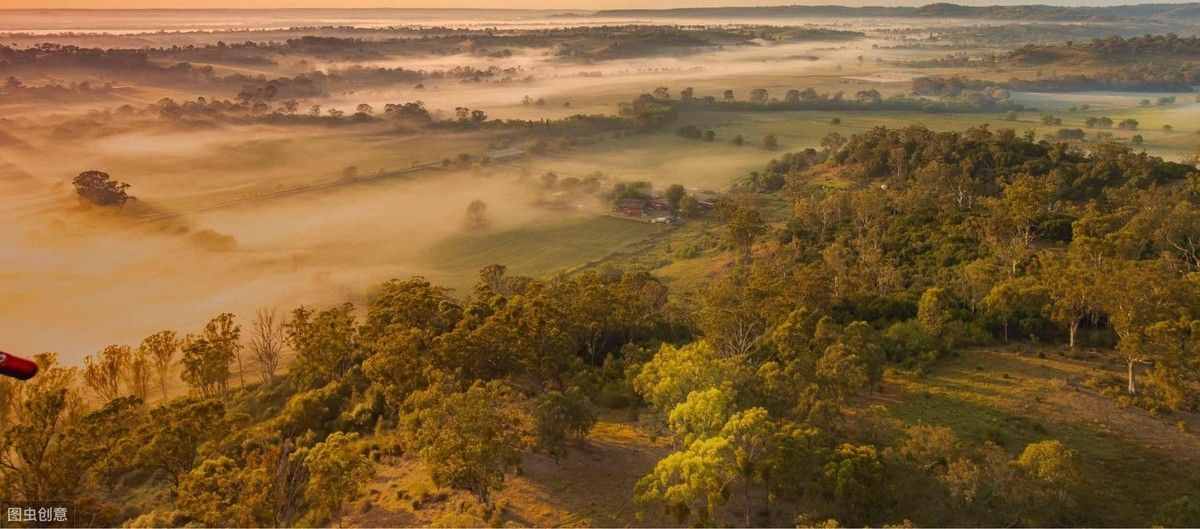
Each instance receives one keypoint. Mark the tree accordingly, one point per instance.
(477, 215)
(934, 311)
(138, 371)
(1053, 471)
(731, 315)
(172, 437)
(832, 142)
(675, 372)
(674, 195)
(689, 207)
(1176, 344)
(208, 356)
(103, 372)
(702, 414)
(267, 337)
(560, 417)
(99, 188)
(161, 348)
(468, 439)
(326, 344)
(1073, 293)
(752, 438)
(691, 482)
(1137, 295)
(220, 492)
(1012, 227)
(1013, 299)
(337, 472)
(746, 225)
(770, 142)
(40, 457)
(854, 477)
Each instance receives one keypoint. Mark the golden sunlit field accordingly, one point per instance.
(775, 266)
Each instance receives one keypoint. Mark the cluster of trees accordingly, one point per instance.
(1117, 47)
(14, 89)
(1148, 77)
(1164, 63)
(465, 385)
(990, 224)
(760, 99)
(98, 188)
(123, 66)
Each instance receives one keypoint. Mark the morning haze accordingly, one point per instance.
(599, 264)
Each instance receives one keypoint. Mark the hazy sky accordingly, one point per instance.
(489, 4)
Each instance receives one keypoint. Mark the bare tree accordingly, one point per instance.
(102, 372)
(266, 342)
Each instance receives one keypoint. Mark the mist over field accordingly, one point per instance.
(607, 265)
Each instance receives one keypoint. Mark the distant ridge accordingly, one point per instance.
(938, 10)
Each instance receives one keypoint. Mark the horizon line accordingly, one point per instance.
(594, 10)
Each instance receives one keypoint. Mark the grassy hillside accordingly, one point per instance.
(1131, 460)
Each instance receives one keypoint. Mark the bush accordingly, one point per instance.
(1179, 512)
(560, 417)
(907, 343)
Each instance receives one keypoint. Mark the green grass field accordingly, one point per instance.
(535, 250)
(1132, 461)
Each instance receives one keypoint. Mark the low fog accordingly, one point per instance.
(76, 278)
(198, 241)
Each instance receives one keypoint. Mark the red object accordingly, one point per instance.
(17, 367)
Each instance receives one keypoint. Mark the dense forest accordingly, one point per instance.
(925, 245)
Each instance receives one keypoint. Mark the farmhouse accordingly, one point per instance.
(631, 207)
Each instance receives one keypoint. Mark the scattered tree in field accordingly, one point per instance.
(99, 188)
(674, 195)
(759, 95)
(770, 142)
(477, 215)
